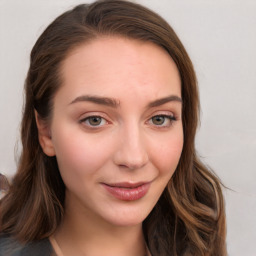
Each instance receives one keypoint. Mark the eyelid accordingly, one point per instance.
(163, 113)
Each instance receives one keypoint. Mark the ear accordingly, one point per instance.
(44, 136)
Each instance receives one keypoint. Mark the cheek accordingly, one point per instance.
(79, 154)
(167, 153)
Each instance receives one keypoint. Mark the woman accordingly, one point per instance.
(108, 134)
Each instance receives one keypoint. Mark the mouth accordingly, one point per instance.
(128, 191)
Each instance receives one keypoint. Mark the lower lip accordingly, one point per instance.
(128, 194)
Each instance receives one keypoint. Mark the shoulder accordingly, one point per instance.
(11, 247)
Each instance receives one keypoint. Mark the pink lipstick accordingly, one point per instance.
(128, 191)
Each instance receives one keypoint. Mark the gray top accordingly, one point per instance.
(11, 247)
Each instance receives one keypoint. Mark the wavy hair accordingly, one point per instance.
(189, 218)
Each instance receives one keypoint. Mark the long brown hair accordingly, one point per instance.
(189, 218)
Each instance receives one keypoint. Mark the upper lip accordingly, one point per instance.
(126, 184)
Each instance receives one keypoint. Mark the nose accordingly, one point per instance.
(131, 151)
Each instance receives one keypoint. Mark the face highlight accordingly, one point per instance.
(116, 128)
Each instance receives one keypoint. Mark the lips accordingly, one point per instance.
(127, 191)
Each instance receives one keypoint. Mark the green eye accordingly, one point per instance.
(158, 120)
(162, 120)
(94, 121)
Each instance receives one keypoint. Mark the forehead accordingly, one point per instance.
(108, 65)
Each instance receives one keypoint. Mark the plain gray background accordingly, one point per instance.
(220, 37)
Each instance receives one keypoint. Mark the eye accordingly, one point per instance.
(162, 120)
(94, 121)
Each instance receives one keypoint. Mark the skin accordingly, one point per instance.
(124, 144)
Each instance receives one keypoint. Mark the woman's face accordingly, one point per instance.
(116, 128)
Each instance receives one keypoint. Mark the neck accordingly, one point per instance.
(83, 233)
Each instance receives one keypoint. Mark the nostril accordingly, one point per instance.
(130, 167)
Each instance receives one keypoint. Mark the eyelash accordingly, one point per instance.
(170, 118)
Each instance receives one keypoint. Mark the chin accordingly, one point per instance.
(127, 222)
(127, 218)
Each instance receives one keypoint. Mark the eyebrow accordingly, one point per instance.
(164, 100)
(98, 100)
(111, 102)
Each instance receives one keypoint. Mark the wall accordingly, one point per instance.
(220, 37)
